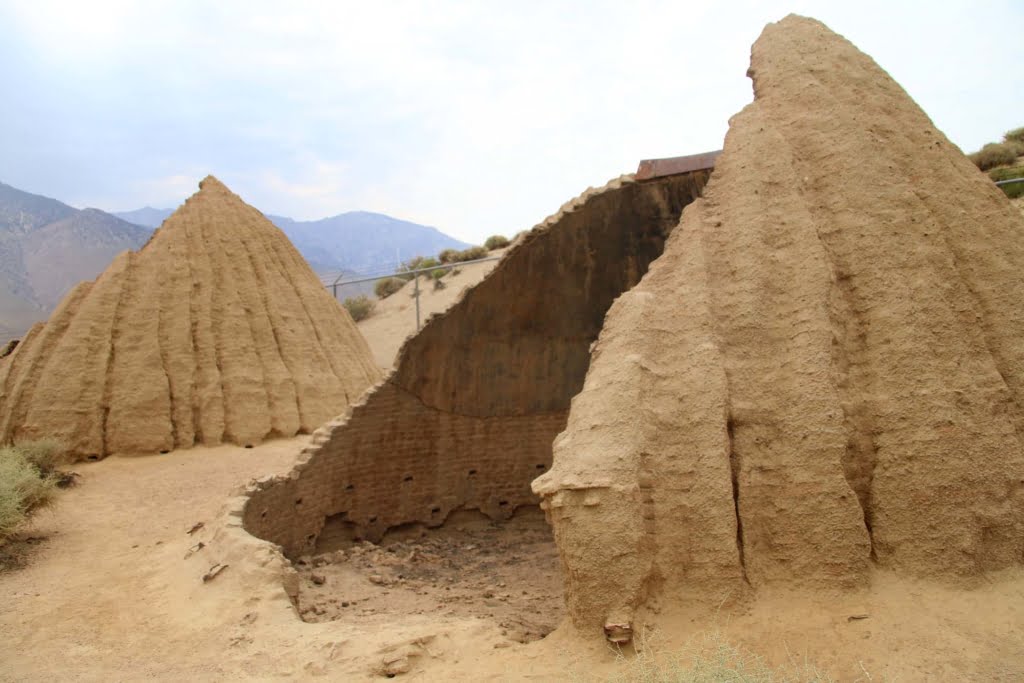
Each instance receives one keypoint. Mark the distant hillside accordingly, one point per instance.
(355, 241)
(46, 247)
(147, 216)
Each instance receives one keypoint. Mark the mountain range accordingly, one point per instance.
(356, 242)
(46, 247)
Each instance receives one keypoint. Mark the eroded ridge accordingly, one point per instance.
(823, 370)
(467, 418)
(215, 331)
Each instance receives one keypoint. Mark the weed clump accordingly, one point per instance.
(448, 256)
(359, 307)
(1012, 190)
(385, 287)
(472, 254)
(994, 154)
(496, 242)
(28, 480)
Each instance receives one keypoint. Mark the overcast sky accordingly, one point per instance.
(475, 117)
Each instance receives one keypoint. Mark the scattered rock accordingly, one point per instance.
(194, 549)
(318, 579)
(214, 572)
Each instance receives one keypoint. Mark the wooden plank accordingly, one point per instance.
(656, 168)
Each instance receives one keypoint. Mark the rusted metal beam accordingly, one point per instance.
(656, 168)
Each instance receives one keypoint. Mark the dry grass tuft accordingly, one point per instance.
(28, 480)
(359, 307)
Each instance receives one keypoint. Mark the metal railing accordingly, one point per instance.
(415, 272)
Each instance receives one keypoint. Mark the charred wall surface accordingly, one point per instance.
(467, 418)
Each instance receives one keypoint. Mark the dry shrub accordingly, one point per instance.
(472, 254)
(1012, 190)
(994, 154)
(448, 256)
(496, 242)
(387, 286)
(359, 307)
(1016, 135)
(28, 480)
(418, 263)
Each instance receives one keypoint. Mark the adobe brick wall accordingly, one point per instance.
(467, 418)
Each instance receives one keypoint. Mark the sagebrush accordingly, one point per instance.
(448, 256)
(359, 307)
(28, 480)
(1012, 190)
(994, 154)
(385, 287)
(496, 242)
(472, 254)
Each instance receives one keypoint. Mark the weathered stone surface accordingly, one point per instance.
(216, 330)
(824, 369)
(467, 418)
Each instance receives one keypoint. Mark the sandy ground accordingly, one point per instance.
(114, 589)
(471, 567)
(108, 594)
(394, 318)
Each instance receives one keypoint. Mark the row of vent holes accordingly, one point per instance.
(409, 477)
(352, 487)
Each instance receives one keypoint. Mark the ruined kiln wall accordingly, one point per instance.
(822, 373)
(467, 418)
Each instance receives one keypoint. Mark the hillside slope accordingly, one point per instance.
(356, 241)
(46, 247)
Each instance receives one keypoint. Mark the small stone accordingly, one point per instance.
(318, 579)
(377, 579)
(488, 594)
(399, 665)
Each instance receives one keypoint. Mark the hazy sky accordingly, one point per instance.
(476, 117)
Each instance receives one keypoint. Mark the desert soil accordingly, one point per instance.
(108, 594)
(505, 572)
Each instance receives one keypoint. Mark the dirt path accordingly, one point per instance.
(91, 601)
(109, 595)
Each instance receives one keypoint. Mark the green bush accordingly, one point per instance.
(448, 256)
(1015, 135)
(359, 307)
(994, 154)
(26, 486)
(1012, 190)
(496, 242)
(385, 287)
(472, 254)
(46, 454)
(418, 263)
